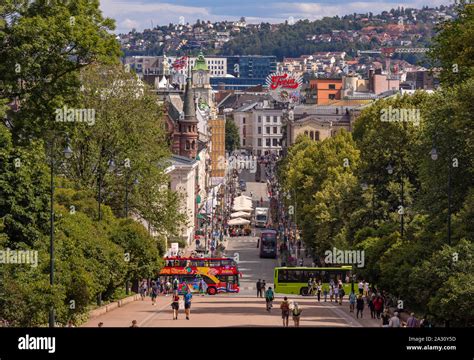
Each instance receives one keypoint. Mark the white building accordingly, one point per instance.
(260, 128)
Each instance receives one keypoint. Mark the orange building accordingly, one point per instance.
(217, 129)
(326, 90)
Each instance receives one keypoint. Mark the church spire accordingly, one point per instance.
(189, 106)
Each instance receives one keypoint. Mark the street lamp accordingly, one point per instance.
(434, 157)
(402, 209)
(67, 153)
(111, 167)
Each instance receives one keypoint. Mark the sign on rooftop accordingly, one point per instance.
(284, 87)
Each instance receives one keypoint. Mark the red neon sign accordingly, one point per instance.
(284, 82)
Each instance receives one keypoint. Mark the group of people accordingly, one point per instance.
(335, 291)
(166, 287)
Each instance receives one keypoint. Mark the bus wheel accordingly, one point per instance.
(304, 291)
(212, 291)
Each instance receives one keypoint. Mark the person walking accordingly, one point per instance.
(341, 294)
(296, 312)
(361, 287)
(175, 284)
(371, 305)
(394, 320)
(360, 306)
(134, 324)
(318, 289)
(264, 287)
(412, 321)
(331, 293)
(259, 288)
(269, 296)
(378, 306)
(175, 305)
(285, 311)
(352, 301)
(325, 292)
(385, 318)
(336, 293)
(187, 303)
(143, 289)
(155, 290)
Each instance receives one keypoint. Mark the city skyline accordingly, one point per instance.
(143, 14)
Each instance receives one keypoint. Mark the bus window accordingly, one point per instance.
(214, 263)
(228, 262)
(282, 275)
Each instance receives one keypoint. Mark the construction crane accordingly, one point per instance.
(388, 52)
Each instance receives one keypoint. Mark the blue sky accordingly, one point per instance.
(140, 14)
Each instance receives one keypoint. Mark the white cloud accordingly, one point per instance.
(129, 24)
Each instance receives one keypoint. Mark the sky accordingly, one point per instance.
(142, 14)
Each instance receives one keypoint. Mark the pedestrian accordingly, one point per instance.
(259, 288)
(394, 320)
(143, 289)
(264, 287)
(203, 285)
(310, 286)
(360, 306)
(101, 324)
(285, 311)
(155, 289)
(167, 287)
(412, 321)
(366, 289)
(352, 301)
(175, 305)
(361, 287)
(336, 293)
(331, 293)
(325, 292)
(385, 318)
(378, 306)
(187, 303)
(341, 294)
(175, 284)
(296, 314)
(134, 324)
(371, 305)
(269, 296)
(318, 288)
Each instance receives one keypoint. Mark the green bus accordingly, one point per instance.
(294, 280)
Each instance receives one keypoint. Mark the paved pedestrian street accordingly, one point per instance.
(231, 310)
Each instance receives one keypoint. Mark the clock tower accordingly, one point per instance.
(202, 83)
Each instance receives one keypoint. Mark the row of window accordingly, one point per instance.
(312, 135)
(302, 276)
(268, 130)
(268, 142)
(268, 118)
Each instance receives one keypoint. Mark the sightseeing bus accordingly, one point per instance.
(221, 275)
(268, 243)
(294, 280)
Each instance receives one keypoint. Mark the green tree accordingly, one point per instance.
(232, 138)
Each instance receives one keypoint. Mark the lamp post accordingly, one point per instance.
(434, 157)
(67, 152)
(390, 171)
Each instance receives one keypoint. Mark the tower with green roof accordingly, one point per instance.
(201, 76)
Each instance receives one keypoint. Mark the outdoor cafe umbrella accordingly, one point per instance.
(240, 214)
(238, 221)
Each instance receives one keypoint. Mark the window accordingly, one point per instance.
(332, 96)
(275, 130)
(311, 135)
(275, 142)
(268, 129)
(316, 137)
(268, 118)
(259, 119)
(243, 120)
(332, 86)
(259, 142)
(275, 119)
(243, 142)
(268, 143)
(306, 133)
(259, 129)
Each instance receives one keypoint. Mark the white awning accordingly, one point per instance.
(240, 214)
(238, 221)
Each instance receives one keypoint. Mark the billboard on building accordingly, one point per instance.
(284, 87)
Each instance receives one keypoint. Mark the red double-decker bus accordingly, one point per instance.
(210, 275)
